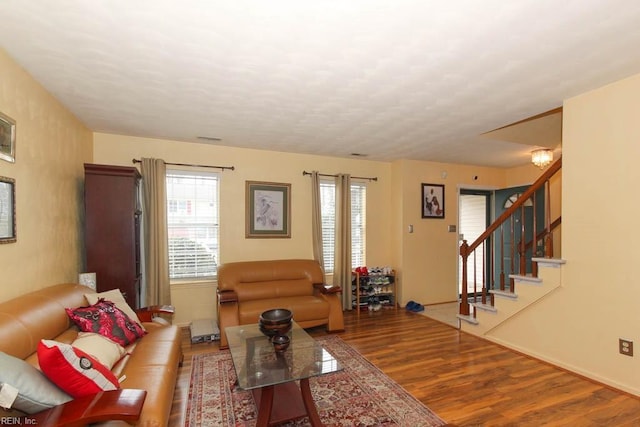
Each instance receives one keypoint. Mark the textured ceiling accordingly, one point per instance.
(391, 79)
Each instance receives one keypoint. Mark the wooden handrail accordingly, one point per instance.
(466, 249)
(555, 224)
(521, 200)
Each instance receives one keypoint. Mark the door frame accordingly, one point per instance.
(538, 213)
(471, 188)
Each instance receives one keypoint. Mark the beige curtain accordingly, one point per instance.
(316, 219)
(156, 260)
(342, 260)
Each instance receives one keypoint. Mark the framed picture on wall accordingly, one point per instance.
(432, 201)
(268, 209)
(7, 210)
(7, 138)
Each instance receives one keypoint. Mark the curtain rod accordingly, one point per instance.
(375, 178)
(193, 166)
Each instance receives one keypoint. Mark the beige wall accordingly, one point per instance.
(425, 260)
(579, 325)
(257, 165)
(51, 147)
(428, 257)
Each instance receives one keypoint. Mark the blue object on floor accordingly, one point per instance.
(414, 307)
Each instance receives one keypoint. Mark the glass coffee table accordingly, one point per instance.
(272, 376)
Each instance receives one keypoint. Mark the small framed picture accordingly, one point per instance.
(432, 201)
(268, 209)
(7, 210)
(7, 138)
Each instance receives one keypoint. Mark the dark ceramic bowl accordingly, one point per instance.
(273, 330)
(277, 316)
(280, 343)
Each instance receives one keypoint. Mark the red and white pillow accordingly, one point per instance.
(106, 319)
(100, 348)
(73, 370)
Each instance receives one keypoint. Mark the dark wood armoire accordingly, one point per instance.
(112, 228)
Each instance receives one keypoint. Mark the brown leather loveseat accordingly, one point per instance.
(248, 288)
(151, 363)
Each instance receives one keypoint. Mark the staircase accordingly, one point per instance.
(505, 289)
(508, 304)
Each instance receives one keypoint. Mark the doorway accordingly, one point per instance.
(474, 218)
(506, 255)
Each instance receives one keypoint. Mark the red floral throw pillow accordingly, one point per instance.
(73, 370)
(106, 319)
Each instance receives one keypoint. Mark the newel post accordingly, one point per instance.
(464, 301)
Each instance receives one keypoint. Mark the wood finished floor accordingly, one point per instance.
(464, 379)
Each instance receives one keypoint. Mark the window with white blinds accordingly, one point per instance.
(358, 223)
(193, 224)
(473, 222)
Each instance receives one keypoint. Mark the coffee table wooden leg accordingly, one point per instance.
(309, 405)
(266, 403)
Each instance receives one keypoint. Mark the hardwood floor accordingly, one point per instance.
(464, 379)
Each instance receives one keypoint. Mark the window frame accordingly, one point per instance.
(210, 229)
(328, 228)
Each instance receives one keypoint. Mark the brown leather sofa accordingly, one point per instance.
(152, 363)
(248, 288)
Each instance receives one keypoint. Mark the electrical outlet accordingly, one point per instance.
(625, 347)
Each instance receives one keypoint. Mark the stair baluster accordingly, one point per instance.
(546, 236)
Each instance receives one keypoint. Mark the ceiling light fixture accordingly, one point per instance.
(542, 157)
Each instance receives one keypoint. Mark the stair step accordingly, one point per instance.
(469, 319)
(531, 291)
(526, 279)
(504, 294)
(485, 307)
(549, 262)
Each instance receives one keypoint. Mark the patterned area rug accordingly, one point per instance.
(360, 395)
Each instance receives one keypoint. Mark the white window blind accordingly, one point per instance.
(473, 222)
(358, 223)
(328, 214)
(193, 224)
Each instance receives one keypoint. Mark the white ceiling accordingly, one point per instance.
(396, 79)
